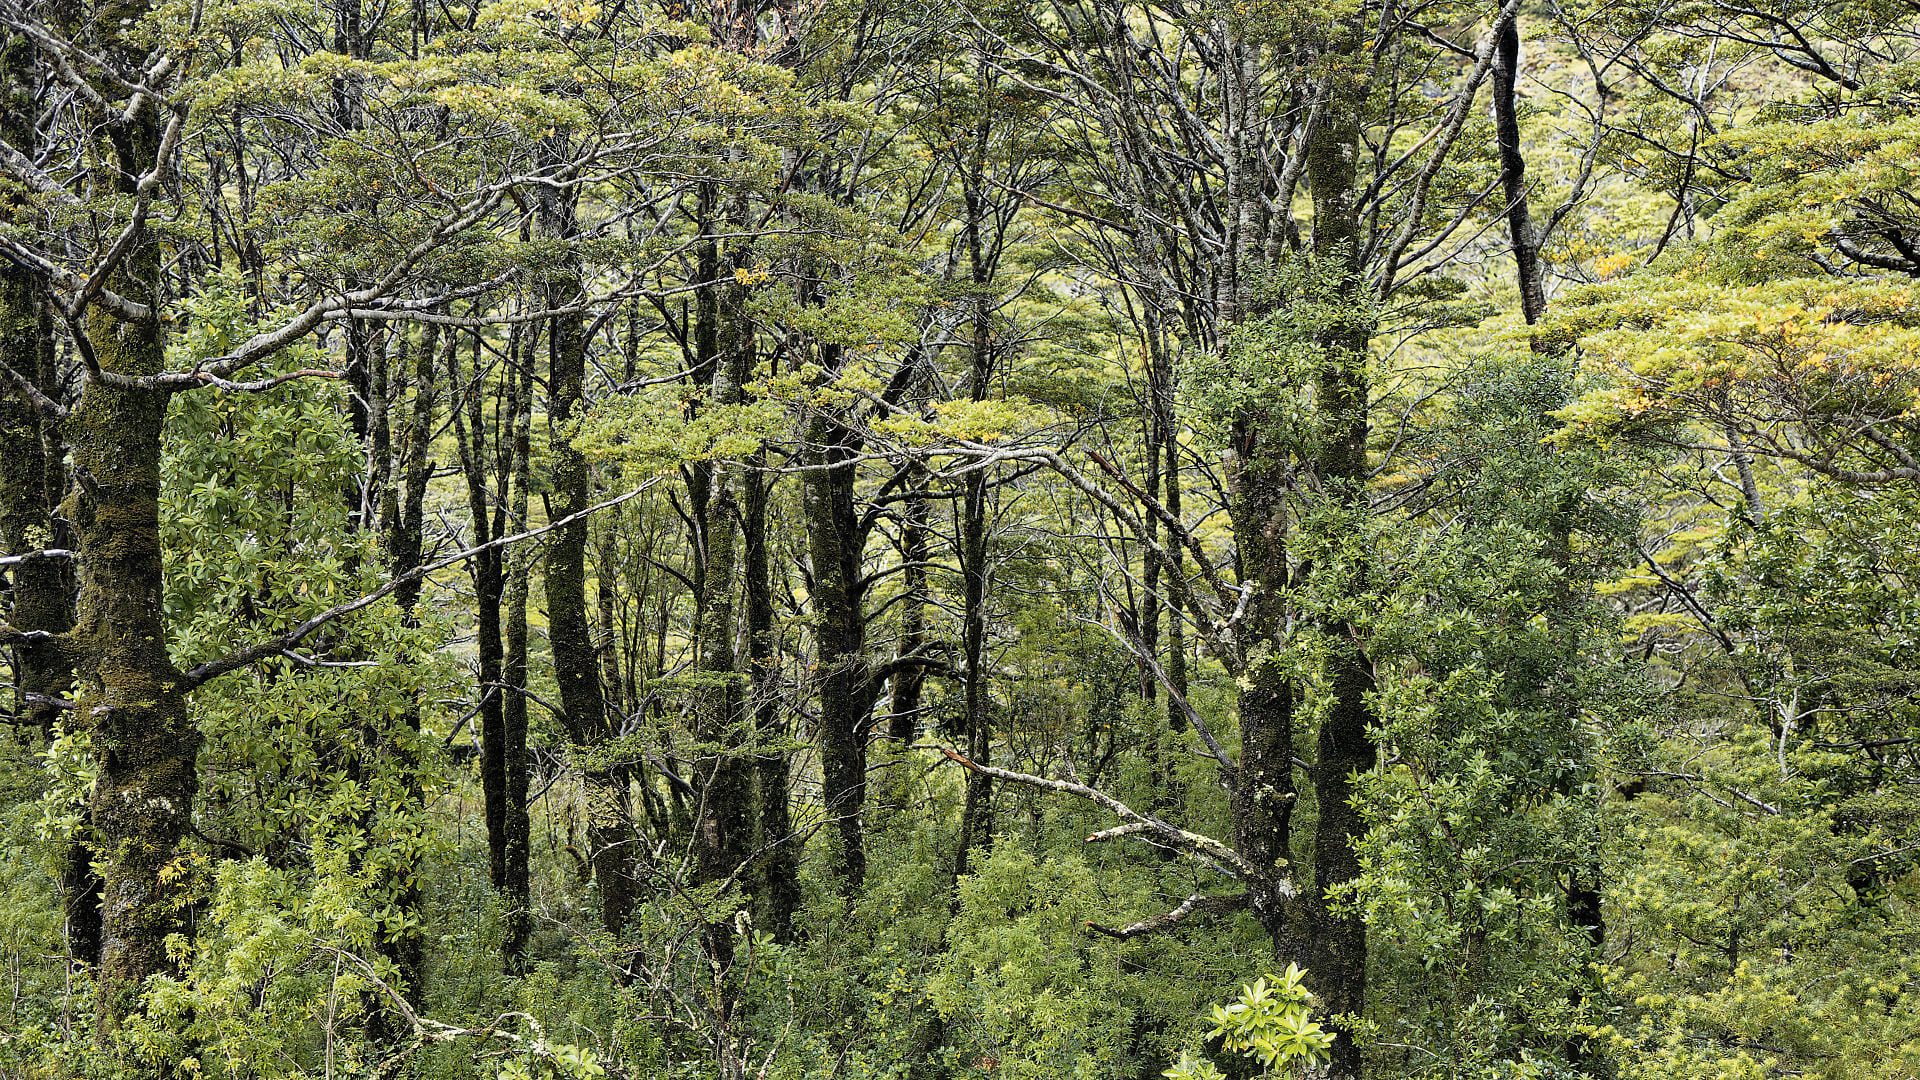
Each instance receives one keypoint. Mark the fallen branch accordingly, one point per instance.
(1212, 905)
(1204, 848)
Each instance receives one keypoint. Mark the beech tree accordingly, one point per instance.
(862, 539)
(110, 284)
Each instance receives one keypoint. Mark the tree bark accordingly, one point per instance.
(486, 513)
(576, 661)
(909, 680)
(1345, 746)
(725, 774)
(515, 888)
(842, 678)
(134, 698)
(1513, 171)
(143, 739)
(724, 831)
(976, 815)
(778, 881)
(1263, 795)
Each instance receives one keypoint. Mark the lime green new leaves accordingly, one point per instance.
(1811, 350)
(1268, 1023)
(1271, 1023)
(1796, 308)
(660, 428)
(1828, 190)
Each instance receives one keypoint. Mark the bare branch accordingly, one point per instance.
(42, 404)
(1205, 848)
(1212, 905)
(36, 180)
(278, 646)
(1230, 770)
(45, 553)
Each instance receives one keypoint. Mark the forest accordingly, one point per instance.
(960, 539)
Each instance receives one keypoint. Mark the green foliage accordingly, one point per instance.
(1766, 950)
(1269, 1024)
(1501, 719)
(1775, 879)
(1020, 973)
(1267, 370)
(42, 1005)
(1632, 590)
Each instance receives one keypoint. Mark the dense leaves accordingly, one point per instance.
(552, 539)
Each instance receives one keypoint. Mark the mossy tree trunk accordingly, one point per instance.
(1263, 795)
(844, 689)
(134, 698)
(515, 885)
(1345, 744)
(725, 773)
(576, 659)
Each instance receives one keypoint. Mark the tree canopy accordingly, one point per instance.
(1077, 539)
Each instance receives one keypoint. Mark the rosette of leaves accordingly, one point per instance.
(1269, 1023)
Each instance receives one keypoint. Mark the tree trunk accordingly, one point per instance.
(134, 697)
(489, 588)
(724, 830)
(909, 680)
(1263, 796)
(1345, 747)
(725, 775)
(1513, 171)
(515, 828)
(778, 882)
(842, 677)
(576, 661)
(976, 816)
(1169, 795)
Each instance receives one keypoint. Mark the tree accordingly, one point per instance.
(1438, 477)
(113, 291)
